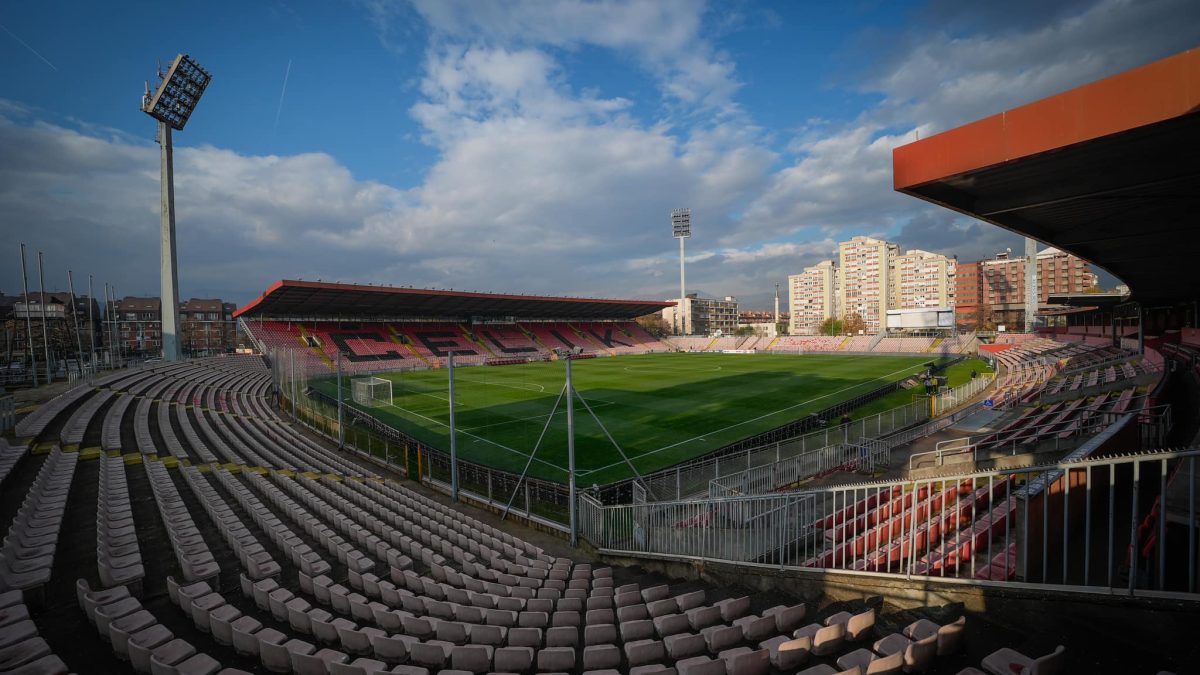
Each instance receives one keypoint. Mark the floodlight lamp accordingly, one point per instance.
(681, 223)
(178, 92)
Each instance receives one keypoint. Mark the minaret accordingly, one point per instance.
(777, 305)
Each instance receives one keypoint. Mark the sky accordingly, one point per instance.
(527, 147)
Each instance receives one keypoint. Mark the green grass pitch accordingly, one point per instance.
(661, 409)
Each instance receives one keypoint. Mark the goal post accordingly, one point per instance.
(371, 392)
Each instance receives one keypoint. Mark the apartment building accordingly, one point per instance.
(998, 285)
(922, 280)
(864, 279)
(703, 316)
(812, 297)
(206, 326)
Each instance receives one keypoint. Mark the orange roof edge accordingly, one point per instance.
(1155, 92)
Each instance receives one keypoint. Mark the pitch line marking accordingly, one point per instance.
(521, 387)
(477, 438)
(601, 404)
(738, 424)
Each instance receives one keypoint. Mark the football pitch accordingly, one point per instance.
(661, 409)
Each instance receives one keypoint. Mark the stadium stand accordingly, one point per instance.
(793, 343)
(394, 346)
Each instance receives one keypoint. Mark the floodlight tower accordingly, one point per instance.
(172, 103)
(681, 228)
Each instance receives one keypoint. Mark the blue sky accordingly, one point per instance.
(518, 146)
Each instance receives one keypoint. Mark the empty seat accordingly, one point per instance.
(701, 665)
(746, 661)
(1006, 661)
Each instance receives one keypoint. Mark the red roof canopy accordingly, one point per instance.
(288, 298)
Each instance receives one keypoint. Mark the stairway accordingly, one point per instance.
(474, 339)
(400, 340)
(316, 350)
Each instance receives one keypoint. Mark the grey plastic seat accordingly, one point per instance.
(825, 639)
(556, 659)
(787, 619)
(471, 658)
(787, 653)
(1006, 661)
(600, 635)
(641, 652)
(746, 661)
(513, 659)
(685, 645)
(701, 665)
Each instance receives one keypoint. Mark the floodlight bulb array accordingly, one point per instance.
(681, 223)
(178, 92)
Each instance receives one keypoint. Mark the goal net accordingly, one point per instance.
(372, 391)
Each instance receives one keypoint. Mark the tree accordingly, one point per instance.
(743, 331)
(831, 326)
(654, 324)
(781, 328)
(852, 323)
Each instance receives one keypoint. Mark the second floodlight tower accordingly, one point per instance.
(681, 228)
(172, 103)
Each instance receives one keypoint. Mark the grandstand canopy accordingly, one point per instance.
(308, 299)
(1109, 171)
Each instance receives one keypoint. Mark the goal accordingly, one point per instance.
(372, 391)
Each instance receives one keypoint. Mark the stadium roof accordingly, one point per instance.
(1108, 171)
(288, 298)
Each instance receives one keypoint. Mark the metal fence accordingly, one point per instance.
(693, 478)
(862, 456)
(535, 500)
(1124, 524)
(738, 529)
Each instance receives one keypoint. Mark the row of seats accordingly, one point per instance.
(21, 649)
(10, 454)
(27, 555)
(137, 636)
(196, 561)
(118, 556)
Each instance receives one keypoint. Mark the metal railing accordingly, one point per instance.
(866, 455)
(1052, 436)
(1114, 525)
(693, 478)
(863, 455)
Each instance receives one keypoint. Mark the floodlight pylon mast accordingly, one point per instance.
(168, 270)
(172, 104)
(681, 228)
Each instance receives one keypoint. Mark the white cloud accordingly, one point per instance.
(666, 37)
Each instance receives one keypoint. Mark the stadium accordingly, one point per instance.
(422, 481)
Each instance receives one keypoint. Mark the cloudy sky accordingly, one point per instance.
(532, 147)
